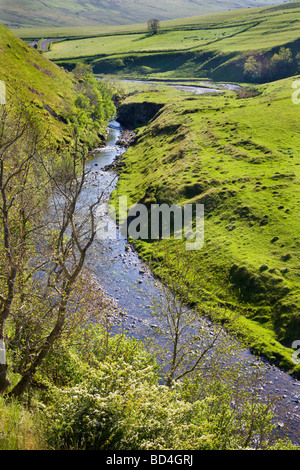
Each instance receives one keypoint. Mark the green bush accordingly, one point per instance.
(144, 70)
(119, 404)
(94, 105)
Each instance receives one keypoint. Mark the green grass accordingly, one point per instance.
(240, 158)
(75, 13)
(168, 41)
(36, 82)
(271, 30)
(214, 46)
(189, 23)
(19, 429)
(46, 89)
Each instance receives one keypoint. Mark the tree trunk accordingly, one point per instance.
(25, 381)
(4, 382)
(21, 386)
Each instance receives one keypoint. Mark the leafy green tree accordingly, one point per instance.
(153, 26)
(81, 70)
(297, 60)
(281, 63)
(253, 69)
(95, 107)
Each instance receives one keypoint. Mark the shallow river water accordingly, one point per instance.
(128, 281)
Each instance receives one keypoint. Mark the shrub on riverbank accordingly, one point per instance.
(102, 392)
(117, 402)
(94, 108)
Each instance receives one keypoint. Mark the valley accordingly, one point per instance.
(145, 342)
(234, 46)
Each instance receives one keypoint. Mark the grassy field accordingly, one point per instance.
(100, 30)
(75, 13)
(214, 46)
(189, 23)
(140, 42)
(240, 157)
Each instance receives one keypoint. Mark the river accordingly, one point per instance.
(193, 86)
(127, 280)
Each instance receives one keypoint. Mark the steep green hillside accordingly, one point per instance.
(106, 12)
(216, 46)
(239, 155)
(36, 82)
(60, 100)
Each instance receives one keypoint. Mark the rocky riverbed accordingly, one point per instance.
(129, 285)
(126, 139)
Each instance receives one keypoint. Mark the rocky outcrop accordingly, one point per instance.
(127, 138)
(132, 115)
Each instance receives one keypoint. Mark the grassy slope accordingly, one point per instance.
(108, 12)
(140, 42)
(199, 47)
(36, 82)
(240, 158)
(81, 31)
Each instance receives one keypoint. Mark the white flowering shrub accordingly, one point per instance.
(117, 403)
(123, 408)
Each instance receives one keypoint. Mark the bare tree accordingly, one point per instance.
(184, 341)
(17, 210)
(46, 232)
(68, 237)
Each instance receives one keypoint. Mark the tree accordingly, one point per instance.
(187, 341)
(297, 61)
(258, 67)
(68, 237)
(45, 233)
(153, 26)
(94, 107)
(19, 142)
(253, 69)
(183, 340)
(281, 63)
(81, 70)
